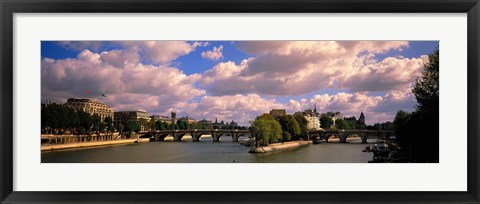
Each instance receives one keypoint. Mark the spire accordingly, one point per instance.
(215, 119)
(315, 108)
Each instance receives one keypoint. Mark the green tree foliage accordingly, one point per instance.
(85, 122)
(326, 122)
(151, 124)
(121, 128)
(266, 129)
(342, 124)
(418, 132)
(183, 125)
(132, 126)
(96, 121)
(303, 123)
(109, 124)
(426, 88)
(59, 119)
(291, 126)
(159, 125)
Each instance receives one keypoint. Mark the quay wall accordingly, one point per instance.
(279, 146)
(89, 144)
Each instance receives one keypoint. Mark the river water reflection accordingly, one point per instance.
(207, 151)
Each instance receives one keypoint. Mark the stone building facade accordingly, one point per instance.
(91, 106)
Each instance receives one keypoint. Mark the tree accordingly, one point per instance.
(290, 125)
(266, 129)
(151, 124)
(96, 122)
(426, 88)
(326, 122)
(132, 126)
(159, 125)
(418, 132)
(182, 125)
(303, 123)
(86, 121)
(342, 124)
(109, 123)
(121, 128)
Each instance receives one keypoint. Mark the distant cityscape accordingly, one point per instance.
(121, 118)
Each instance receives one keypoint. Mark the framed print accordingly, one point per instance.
(252, 102)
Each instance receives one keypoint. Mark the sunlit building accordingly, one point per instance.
(132, 115)
(313, 122)
(313, 118)
(161, 118)
(91, 106)
(187, 119)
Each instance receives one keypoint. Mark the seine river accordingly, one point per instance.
(207, 151)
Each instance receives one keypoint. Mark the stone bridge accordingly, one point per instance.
(177, 135)
(344, 134)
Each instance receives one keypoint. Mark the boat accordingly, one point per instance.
(247, 142)
(317, 140)
(381, 145)
(379, 159)
(367, 149)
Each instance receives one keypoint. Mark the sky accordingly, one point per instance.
(237, 80)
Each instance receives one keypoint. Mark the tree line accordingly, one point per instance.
(60, 119)
(418, 131)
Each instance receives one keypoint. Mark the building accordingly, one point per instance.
(187, 119)
(354, 123)
(277, 113)
(334, 116)
(204, 121)
(92, 106)
(133, 115)
(313, 118)
(313, 122)
(174, 117)
(161, 118)
(233, 124)
(224, 125)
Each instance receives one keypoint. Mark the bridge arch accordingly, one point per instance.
(162, 136)
(243, 135)
(179, 136)
(351, 135)
(217, 136)
(369, 136)
(328, 136)
(197, 135)
(148, 135)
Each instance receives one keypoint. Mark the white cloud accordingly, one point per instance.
(133, 86)
(240, 108)
(292, 68)
(214, 54)
(157, 52)
(376, 108)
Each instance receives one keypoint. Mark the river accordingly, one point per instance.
(207, 151)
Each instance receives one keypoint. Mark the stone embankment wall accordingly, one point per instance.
(279, 146)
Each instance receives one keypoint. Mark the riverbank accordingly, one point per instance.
(90, 144)
(279, 146)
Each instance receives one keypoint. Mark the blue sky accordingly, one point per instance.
(237, 80)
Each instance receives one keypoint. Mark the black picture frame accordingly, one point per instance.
(10, 7)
